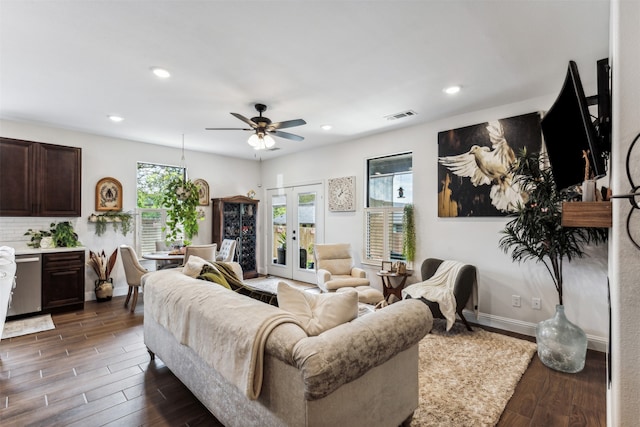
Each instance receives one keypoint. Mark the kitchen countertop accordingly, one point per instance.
(21, 248)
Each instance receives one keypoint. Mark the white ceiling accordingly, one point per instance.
(70, 63)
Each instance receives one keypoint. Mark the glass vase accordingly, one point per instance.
(561, 344)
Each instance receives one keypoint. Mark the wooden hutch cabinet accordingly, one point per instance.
(39, 179)
(63, 281)
(236, 218)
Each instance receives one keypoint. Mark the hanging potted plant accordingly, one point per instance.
(103, 267)
(536, 233)
(181, 198)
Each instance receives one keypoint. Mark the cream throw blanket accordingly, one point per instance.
(439, 288)
(227, 330)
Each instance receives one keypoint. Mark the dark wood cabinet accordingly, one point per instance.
(39, 179)
(63, 281)
(236, 218)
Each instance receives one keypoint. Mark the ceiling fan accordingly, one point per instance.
(264, 128)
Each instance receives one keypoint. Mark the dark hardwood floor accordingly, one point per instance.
(94, 370)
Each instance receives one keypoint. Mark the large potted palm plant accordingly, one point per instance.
(536, 233)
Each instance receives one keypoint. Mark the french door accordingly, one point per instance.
(295, 218)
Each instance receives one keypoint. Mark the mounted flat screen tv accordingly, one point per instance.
(569, 133)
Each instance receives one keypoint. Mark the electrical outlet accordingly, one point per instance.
(535, 303)
(515, 300)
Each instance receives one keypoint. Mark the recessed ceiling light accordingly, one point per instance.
(116, 119)
(326, 127)
(160, 72)
(452, 90)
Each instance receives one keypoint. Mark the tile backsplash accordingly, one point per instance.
(12, 229)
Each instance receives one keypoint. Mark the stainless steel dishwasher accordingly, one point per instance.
(27, 295)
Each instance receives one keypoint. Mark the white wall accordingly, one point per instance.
(102, 157)
(472, 240)
(622, 397)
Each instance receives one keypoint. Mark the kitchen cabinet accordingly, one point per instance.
(236, 218)
(38, 179)
(63, 281)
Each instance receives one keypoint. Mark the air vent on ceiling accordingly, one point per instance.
(402, 115)
(273, 149)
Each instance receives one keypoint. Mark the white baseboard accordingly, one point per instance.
(527, 328)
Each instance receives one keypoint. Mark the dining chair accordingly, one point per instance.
(206, 252)
(227, 251)
(133, 272)
(162, 246)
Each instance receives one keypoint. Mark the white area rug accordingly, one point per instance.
(467, 378)
(29, 325)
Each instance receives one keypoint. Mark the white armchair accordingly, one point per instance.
(336, 272)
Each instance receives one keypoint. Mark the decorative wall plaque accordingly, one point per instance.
(108, 195)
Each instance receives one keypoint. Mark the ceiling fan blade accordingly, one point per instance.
(286, 135)
(244, 119)
(287, 124)
(227, 129)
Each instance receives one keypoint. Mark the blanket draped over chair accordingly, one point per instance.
(439, 288)
(186, 311)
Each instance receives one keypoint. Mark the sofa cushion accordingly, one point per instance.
(193, 267)
(318, 312)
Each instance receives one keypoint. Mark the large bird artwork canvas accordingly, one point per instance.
(474, 177)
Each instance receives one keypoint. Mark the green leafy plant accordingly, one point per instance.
(181, 199)
(62, 233)
(282, 239)
(536, 233)
(120, 221)
(408, 233)
(36, 237)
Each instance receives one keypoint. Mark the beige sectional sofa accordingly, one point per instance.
(360, 373)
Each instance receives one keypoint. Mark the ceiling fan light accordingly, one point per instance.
(254, 141)
(268, 141)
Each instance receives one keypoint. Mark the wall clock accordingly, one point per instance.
(342, 194)
(108, 195)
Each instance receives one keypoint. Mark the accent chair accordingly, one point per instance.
(335, 272)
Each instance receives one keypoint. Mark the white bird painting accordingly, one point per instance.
(485, 165)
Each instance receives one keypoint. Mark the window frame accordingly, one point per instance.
(141, 244)
(390, 214)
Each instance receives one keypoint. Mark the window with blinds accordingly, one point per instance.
(389, 189)
(384, 234)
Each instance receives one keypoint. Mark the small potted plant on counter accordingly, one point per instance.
(59, 235)
(103, 267)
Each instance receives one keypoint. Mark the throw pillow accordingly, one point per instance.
(194, 266)
(318, 312)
